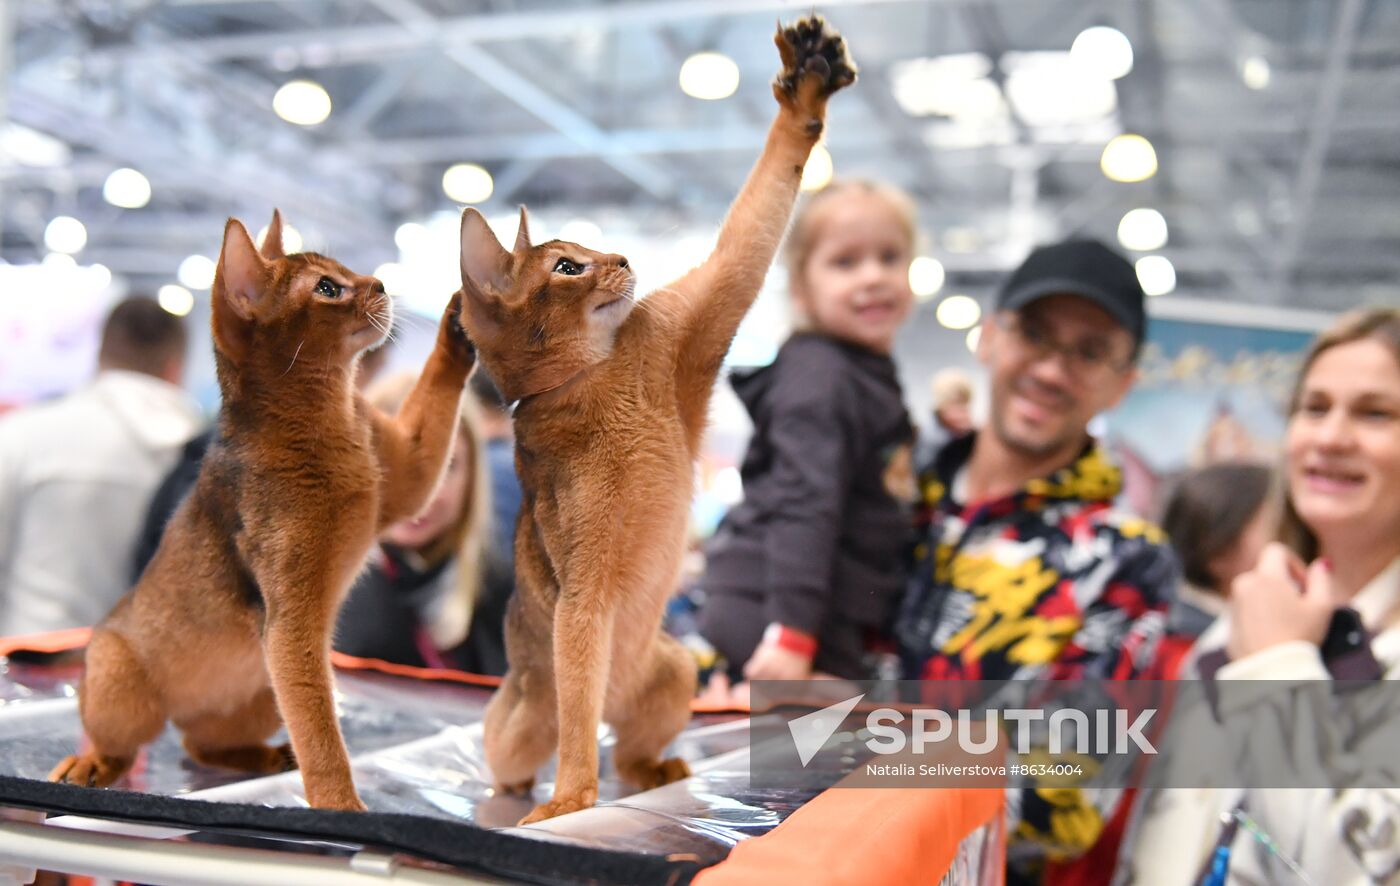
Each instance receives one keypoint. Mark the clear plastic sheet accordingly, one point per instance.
(416, 748)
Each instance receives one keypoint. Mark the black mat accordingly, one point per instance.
(457, 844)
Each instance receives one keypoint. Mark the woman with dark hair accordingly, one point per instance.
(1322, 603)
(1219, 519)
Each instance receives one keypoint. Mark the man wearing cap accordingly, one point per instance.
(1025, 570)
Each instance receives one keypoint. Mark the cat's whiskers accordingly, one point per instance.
(295, 354)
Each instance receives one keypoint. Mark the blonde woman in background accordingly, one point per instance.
(424, 600)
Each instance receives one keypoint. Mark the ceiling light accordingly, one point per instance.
(1156, 274)
(468, 183)
(1050, 89)
(411, 236)
(962, 240)
(959, 312)
(940, 85)
(974, 336)
(100, 275)
(1103, 51)
(196, 272)
(818, 171)
(1256, 72)
(709, 76)
(65, 234)
(302, 102)
(581, 231)
(291, 239)
(926, 277)
(127, 189)
(175, 299)
(392, 276)
(1129, 158)
(1142, 230)
(29, 147)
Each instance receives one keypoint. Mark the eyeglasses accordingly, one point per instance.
(1082, 358)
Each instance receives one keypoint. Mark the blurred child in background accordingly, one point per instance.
(1218, 519)
(802, 574)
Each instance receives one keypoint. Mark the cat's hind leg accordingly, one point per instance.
(237, 739)
(120, 709)
(520, 731)
(653, 715)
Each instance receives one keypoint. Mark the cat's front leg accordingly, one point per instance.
(296, 647)
(413, 447)
(712, 299)
(583, 626)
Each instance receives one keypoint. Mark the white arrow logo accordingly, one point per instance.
(811, 731)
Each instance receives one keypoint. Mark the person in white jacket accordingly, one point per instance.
(1323, 603)
(77, 474)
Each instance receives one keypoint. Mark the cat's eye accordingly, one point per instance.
(329, 288)
(568, 268)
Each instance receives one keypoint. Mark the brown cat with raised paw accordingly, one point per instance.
(228, 631)
(613, 393)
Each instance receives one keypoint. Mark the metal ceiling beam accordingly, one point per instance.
(1345, 30)
(375, 41)
(532, 98)
(226, 180)
(1189, 135)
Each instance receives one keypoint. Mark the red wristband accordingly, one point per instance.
(791, 639)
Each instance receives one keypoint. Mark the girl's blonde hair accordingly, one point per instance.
(807, 221)
(1374, 324)
(468, 537)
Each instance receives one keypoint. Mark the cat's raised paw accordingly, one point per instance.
(453, 335)
(815, 64)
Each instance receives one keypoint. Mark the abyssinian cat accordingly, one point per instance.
(612, 397)
(228, 631)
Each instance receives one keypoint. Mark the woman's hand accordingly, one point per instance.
(1279, 601)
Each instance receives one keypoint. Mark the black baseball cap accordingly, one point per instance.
(1086, 268)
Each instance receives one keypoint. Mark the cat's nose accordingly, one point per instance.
(621, 261)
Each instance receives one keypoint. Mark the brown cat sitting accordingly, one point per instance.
(613, 394)
(231, 622)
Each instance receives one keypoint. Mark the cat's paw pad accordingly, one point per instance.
(560, 806)
(653, 775)
(88, 770)
(815, 64)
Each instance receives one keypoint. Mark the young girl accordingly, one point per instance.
(428, 598)
(804, 571)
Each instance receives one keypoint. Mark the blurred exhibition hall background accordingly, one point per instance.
(1245, 153)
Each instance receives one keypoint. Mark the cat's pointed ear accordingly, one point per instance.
(239, 282)
(522, 236)
(485, 263)
(241, 272)
(272, 242)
